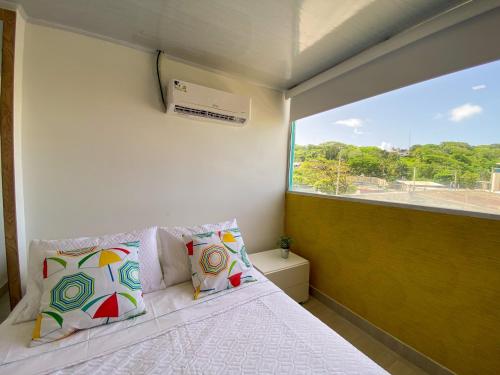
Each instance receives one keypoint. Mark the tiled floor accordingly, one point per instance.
(374, 349)
(4, 306)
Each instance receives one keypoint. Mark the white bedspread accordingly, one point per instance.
(252, 329)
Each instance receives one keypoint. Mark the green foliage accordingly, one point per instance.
(323, 174)
(318, 165)
(285, 242)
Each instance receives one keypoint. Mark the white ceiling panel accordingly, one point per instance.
(279, 43)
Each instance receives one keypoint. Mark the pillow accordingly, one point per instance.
(87, 287)
(151, 275)
(173, 256)
(218, 260)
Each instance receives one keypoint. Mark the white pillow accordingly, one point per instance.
(173, 255)
(151, 275)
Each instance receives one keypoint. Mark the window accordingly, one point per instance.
(435, 143)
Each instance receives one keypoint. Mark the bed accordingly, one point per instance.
(252, 329)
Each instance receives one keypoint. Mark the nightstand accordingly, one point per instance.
(291, 274)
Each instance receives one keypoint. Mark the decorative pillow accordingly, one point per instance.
(174, 260)
(219, 261)
(151, 279)
(87, 287)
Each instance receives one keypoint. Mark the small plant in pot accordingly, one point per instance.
(284, 243)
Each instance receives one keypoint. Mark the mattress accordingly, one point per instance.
(253, 329)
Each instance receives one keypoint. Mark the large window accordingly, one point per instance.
(435, 143)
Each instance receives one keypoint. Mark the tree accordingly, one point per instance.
(322, 175)
(468, 179)
(433, 162)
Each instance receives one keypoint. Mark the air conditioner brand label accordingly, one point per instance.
(180, 86)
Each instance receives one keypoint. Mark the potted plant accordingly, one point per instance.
(284, 243)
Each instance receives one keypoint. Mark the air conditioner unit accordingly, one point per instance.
(204, 103)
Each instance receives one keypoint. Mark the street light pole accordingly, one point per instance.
(414, 177)
(338, 175)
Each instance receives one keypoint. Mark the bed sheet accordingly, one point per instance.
(253, 329)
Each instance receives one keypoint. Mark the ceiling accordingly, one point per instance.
(278, 43)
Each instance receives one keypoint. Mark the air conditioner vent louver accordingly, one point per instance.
(207, 104)
(207, 114)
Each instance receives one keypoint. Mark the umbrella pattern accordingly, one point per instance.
(128, 274)
(213, 260)
(76, 252)
(236, 278)
(190, 245)
(198, 290)
(104, 258)
(71, 292)
(52, 265)
(244, 256)
(228, 237)
(108, 306)
(54, 322)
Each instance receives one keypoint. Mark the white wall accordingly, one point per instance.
(18, 156)
(99, 155)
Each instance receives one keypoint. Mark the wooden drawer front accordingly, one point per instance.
(300, 292)
(290, 277)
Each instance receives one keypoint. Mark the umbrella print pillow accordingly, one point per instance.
(218, 260)
(84, 288)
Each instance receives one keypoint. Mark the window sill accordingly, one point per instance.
(447, 211)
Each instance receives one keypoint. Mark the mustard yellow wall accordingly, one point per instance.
(430, 279)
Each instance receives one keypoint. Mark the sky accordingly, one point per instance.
(462, 106)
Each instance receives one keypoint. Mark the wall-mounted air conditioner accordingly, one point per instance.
(204, 103)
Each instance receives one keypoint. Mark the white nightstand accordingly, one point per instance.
(291, 274)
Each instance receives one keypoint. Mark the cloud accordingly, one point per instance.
(357, 131)
(464, 111)
(386, 146)
(351, 122)
(478, 87)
